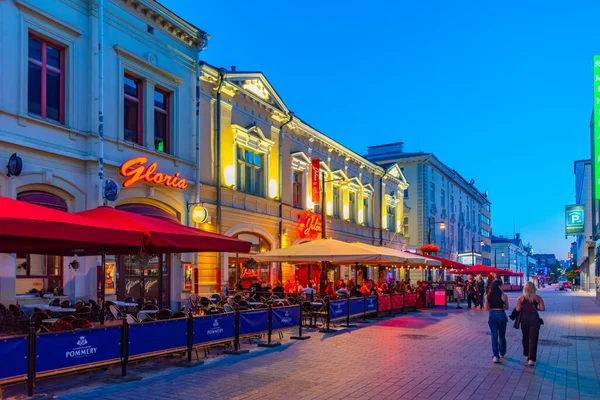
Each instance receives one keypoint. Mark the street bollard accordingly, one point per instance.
(300, 337)
(270, 333)
(236, 342)
(124, 347)
(31, 358)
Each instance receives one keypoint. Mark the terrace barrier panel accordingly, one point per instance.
(59, 352)
(397, 302)
(410, 300)
(160, 337)
(254, 322)
(216, 328)
(357, 307)
(439, 297)
(13, 356)
(285, 317)
(338, 310)
(384, 304)
(370, 304)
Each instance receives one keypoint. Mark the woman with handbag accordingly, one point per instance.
(496, 304)
(528, 306)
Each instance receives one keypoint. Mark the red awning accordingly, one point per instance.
(166, 236)
(29, 228)
(446, 263)
(486, 270)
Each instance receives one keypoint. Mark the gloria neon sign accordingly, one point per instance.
(135, 170)
(310, 225)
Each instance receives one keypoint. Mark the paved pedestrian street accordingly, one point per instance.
(434, 354)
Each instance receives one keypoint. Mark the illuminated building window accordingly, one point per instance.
(405, 226)
(336, 201)
(391, 218)
(250, 172)
(46, 80)
(297, 192)
(367, 201)
(161, 121)
(432, 191)
(132, 91)
(452, 204)
(352, 205)
(443, 197)
(432, 228)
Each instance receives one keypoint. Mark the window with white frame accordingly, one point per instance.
(432, 192)
(335, 200)
(297, 188)
(391, 217)
(352, 205)
(405, 226)
(250, 173)
(367, 207)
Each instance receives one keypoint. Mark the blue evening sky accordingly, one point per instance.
(499, 91)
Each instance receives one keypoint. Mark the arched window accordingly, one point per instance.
(39, 271)
(242, 267)
(149, 211)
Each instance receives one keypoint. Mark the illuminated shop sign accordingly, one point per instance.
(136, 170)
(310, 225)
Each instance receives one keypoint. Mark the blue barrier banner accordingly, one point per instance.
(254, 322)
(214, 328)
(285, 317)
(73, 349)
(338, 309)
(13, 353)
(357, 306)
(371, 304)
(155, 337)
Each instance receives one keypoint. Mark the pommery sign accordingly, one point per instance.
(135, 170)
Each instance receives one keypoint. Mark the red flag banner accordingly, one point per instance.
(316, 180)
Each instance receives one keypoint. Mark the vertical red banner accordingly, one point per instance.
(316, 180)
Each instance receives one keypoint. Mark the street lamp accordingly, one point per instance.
(442, 227)
(473, 249)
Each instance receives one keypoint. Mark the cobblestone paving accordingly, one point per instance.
(435, 354)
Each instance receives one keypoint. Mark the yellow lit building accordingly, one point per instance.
(256, 164)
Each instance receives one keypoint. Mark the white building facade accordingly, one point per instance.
(49, 118)
(440, 206)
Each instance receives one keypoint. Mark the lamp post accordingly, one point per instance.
(442, 227)
(343, 185)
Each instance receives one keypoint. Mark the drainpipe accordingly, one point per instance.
(222, 75)
(290, 118)
(100, 104)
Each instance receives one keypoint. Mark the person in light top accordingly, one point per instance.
(343, 292)
(309, 292)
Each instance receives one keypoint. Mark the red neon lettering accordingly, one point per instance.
(136, 171)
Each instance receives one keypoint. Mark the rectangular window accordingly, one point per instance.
(162, 119)
(297, 188)
(452, 210)
(352, 205)
(451, 235)
(132, 113)
(443, 197)
(432, 191)
(36, 271)
(406, 193)
(460, 211)
(431, 229)
(485, 219)
(336, 201)
(405, 226)
(367, 210)
(467, 214)
(391, 218)
(46, 80)
(250, 172)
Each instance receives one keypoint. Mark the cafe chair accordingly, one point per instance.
(143, 317)
(80, 323)
(150, 306)
(179, 314)
(163, 314)
(140, 302)
(129, 300)
(64, 324)
(37, 318)
(55, 303)
(84, 312)
(95, 315)
(228, 308)
(215, 298)
(79, 300)
(65, 304)
(131, 320)
(78, 304)
(116, 313)
(154, 301)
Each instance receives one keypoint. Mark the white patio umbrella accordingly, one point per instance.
(332, 250)
(412, 259)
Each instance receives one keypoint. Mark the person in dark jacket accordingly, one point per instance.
(470, 289)
(278, 290)
(480, 291)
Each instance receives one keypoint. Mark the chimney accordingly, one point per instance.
(233, 68)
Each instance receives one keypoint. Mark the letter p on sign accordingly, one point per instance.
(575, 217)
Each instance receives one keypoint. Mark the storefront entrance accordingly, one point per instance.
(243, 268)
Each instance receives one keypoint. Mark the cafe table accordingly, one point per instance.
(61, 310)
(125, 304)
(254, 303)
(50, 321)
(42, 306)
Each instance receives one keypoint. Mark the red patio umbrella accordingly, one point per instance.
(29, 228)
(165, 236)
(446, 263)
(486, 270)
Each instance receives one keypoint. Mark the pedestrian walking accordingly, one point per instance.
(470, 289)
(480, 287)
(490, 279)
(459, 291)
(528, 306)
(497, 303)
